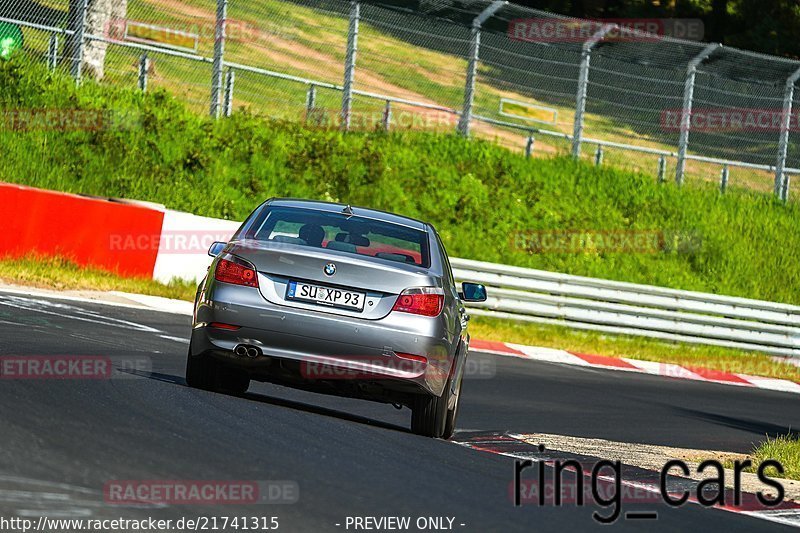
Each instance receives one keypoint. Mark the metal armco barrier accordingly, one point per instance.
(641, 310)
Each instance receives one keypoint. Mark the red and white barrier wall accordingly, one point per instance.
(81, 228)
(184, 242)
(134, 239)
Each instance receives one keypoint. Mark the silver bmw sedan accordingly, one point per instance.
(339, 300)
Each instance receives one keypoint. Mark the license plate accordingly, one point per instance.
(325, 296)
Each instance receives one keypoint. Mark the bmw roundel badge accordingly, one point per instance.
(330, 269)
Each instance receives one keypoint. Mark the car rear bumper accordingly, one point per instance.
(326, 346)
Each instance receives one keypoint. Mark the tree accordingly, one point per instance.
(718, 21)
(104, 18)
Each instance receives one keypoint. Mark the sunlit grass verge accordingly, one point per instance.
(62, 274)
(784, 448)
(564, 338)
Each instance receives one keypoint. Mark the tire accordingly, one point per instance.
(452, 414)
(199, 371)
(231, 380)
(204, 373)
(428, 415)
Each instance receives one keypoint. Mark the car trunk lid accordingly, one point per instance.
(380, 281)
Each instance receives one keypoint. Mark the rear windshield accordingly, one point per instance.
(335, 231)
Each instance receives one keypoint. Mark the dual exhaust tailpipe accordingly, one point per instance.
(247, 350)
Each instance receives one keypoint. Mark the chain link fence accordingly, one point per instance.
(626, 92)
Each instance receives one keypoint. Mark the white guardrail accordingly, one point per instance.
(625, 308)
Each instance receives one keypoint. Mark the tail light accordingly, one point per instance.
(425, 301)
(236, 272)
(411, 357)
(222, 325)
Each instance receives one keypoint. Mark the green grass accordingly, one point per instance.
(476, 193)
(293, 38)
(784, 448)
(563, 338)
(61, 274)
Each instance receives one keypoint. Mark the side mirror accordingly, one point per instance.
(216, 248)
(473, 292)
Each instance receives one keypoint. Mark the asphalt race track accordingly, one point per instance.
(62, 441)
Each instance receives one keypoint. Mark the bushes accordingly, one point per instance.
(476, 194)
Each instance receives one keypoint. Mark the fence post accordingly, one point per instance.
(311, 99)
(77, 60)
(219, 57)
(662, 169)
(472, 67)
(785, 189)
(529, 146)
(227, 104)
(583, 87)
(387, 115)
(783, 143)
(144, 65)
(52, 52)
(350, 64)
(723, 182)
(598, 156)
(686, 112)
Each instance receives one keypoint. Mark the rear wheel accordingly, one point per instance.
(202, 372)
(428, 415)
(431, 415)
(199, 371)
(231, 380)
(452, 414)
